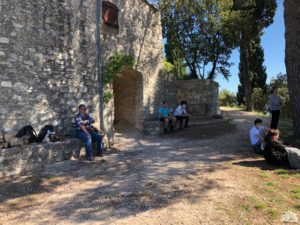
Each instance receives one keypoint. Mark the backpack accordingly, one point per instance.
(45, 133)
(27, 133)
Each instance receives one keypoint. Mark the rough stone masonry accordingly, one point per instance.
(48, 63)
(48, 58)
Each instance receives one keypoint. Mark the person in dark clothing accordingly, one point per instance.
(279, 154)
(275, 152)
(274, 107)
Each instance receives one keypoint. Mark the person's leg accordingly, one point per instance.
(277, 115)
(173, 122)
(186, 121)
(96, 136)
(257, 148)
(180, 119)
(87, 142)
(275, 118)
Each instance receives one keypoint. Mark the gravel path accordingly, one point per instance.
(181, 178)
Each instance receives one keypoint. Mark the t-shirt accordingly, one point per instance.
(274, 102)
(164, 111)
(254, 132)
(180, 111)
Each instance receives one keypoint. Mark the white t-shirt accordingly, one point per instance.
(180, 111)
(254, 133)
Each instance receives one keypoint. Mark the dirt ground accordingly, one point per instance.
(206, 174)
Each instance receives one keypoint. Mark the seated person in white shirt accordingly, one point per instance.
(257, 135)
(181, 114)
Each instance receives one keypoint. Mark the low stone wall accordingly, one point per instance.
(31, 158)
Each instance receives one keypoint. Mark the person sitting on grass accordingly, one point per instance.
(86, 132)
(181, 114)
(166, 116)
(257, 134)
(278, 154)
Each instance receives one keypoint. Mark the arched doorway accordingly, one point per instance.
(128, 98)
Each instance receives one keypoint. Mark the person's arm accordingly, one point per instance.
(91, 120)
(160, 113)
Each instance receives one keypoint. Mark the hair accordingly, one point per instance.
(183, 102)
(81, 106)
(273, 132)
(164, 102)
(257, 121)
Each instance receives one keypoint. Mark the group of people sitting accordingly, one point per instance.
(266, 141)
(170, 118)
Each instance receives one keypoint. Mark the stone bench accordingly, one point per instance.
(31, 158)
(153, 128)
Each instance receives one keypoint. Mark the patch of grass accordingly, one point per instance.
(51, 177)
(273, 213)
(259, 205)
(269, 190)
(263, 175)
(297, 207)
(297, 175)
(246, 208)
(281, 171)
(284, 176)
(296, 193)
(270, 184)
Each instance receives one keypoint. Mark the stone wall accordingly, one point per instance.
(140, 35)
(47, 62)
(48, 59)
(32, 158)
(202, 96)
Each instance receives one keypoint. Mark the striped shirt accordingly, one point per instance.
(79, 121)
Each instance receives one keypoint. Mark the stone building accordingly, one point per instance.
(48, 61)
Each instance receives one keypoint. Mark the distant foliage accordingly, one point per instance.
(260, 99)
(114, 66)
(227, 98)
(168, 67)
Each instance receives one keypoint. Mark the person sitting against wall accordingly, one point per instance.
(278, 154)
(166, 116)
(86, 132)
(181, 114)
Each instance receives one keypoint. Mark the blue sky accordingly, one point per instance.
(273, 43)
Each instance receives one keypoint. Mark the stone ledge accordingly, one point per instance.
(32, 158)
(153, 128)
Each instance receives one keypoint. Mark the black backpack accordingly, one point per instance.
(43, 132)
(27, 132)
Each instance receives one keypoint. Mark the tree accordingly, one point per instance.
(257, 71)
(195, 36)
(227, 98)
(292, 56)
(253, 17)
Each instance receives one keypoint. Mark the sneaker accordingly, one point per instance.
(89, 158)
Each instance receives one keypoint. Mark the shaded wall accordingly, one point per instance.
(47, 62)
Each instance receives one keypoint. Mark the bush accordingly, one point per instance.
(260, 100)
(227, 98)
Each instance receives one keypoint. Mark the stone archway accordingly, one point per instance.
(128, 98)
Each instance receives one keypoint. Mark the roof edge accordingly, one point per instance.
(151, 5)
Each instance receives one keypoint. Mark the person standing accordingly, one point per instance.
(274, 107)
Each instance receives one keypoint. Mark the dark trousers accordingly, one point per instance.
(87, 139)
(181, 118)
(275, 118)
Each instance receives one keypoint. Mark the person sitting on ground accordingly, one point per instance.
(166, 116)
(86, 132)
(181, 114)
(278, 154)
(257, 134)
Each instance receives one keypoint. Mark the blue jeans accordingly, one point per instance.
(87, 139)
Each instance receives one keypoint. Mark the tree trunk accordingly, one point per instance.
(244, 71)
(292, 57)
